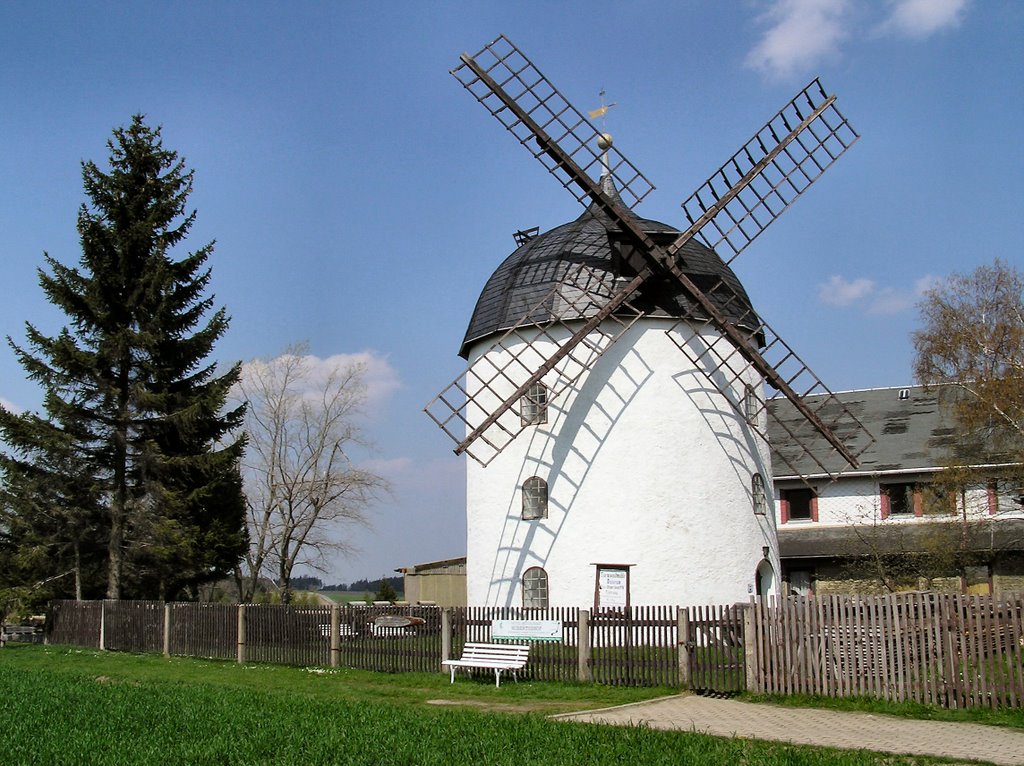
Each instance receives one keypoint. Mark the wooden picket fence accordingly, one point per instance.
(549, 660)
(342, 635)
(950, 650)
(623, 647)
(199, 630)
(634, 647)
(363, 644)
(715, 644)
(638, 646)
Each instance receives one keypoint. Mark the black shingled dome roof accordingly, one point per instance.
(551, 258)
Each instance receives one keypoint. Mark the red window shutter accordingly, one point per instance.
(814, 506)
(784, 506)
(883, 499)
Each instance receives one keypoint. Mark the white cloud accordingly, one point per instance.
(10, 406)
(918, 19)
(379, 377)
(801, 34)
(840, 292)
(926, 283)
(891, 301)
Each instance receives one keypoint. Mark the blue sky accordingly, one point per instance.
(360, 198)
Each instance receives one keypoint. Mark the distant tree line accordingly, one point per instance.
(367, 586)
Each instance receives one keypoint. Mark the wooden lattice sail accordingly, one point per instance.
(563, 334)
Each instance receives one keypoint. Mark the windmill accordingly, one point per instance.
(562, 333)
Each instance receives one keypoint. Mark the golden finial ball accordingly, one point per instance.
(604, 142)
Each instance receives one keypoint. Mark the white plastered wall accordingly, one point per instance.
(647, 465)
(854, 500)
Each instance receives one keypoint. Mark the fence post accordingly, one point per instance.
(585, 670)
(335, 634)
(683, 645)
(750, 647)
(241, 633)
(167, 630)
(103, 622)
(446, 636)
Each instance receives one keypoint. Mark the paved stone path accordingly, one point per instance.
(810, 726)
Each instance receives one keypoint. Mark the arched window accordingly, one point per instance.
(533, 407)
(535, 588)
(751, 404)
(535, 498)
(760, 496)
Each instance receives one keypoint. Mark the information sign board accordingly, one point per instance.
(527, 630)
(612, 588)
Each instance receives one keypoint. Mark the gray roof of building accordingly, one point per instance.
(552, 259)
(915, 433)
(995, 534)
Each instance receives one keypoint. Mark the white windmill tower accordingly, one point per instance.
(614, 404)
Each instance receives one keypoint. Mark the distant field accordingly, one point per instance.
(82, 706)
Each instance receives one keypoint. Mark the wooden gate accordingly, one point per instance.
(714, 644)
(636, 646)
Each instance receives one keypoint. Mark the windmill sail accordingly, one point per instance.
(470, 408)
(735, 205)
(805, 442)
(769, 172)
(514, 91)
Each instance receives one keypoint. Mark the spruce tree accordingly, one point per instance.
(134, 444)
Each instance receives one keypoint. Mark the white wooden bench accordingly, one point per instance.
(496, 657)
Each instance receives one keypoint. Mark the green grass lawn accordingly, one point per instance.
(71, 706)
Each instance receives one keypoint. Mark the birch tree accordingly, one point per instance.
(303, 488)
(972, 337)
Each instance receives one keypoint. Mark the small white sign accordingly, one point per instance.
(611, 588)
(527, 630)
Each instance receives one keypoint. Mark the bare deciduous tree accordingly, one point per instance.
(972, 336)
(972, 339)
(889, 555)
(301, 484)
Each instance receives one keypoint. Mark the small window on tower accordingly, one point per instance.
(751, 404)
(535, 588)
(535, 498)
(760, 496)
(533, 408)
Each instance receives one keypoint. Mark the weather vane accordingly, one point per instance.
(602, 110)
(604, 141)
